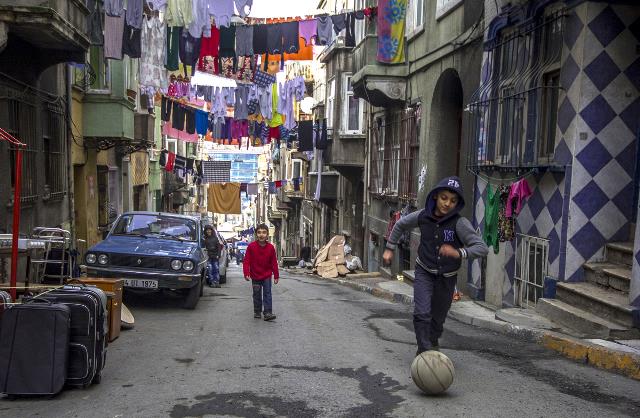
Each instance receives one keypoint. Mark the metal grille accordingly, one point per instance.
(124, 260)
(531, 267)
(511, 117)
(21, 123)
(53, 146)
(410, 144)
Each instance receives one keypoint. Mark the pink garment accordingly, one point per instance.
(308, 29)
(520, 191)
(181, 135)
(239, 129)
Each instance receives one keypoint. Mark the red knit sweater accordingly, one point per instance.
(260, 262)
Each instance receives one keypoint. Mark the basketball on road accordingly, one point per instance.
(432, 372)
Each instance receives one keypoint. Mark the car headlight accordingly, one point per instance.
(188, 265)
(103, 259)
(176, 264)
(91, 258)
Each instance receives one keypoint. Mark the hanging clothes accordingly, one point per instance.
(131, 41)
(339, 22)
(308, 29)
(134, 13)
(252, 189)
(275, 118)
(173, 48)
(316, 196)
(189, 51)
(350, 34)
(244, 40)
(224, 198)
(165, 109)
(520, 191)
(325, 30)
(152, 59)
(201, 23)
(241, 109)
(506, 224)
(113, 30)
(171, 159)
(209, 52)
(305, 135)
(274, 39)
(113, 7)
(491, 209)
(202, 122)
(222, 11)
(391, 26)
(260, 39)
(244, 7)
(290, 37)
(179, 13)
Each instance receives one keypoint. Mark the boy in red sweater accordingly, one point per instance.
(260, 262)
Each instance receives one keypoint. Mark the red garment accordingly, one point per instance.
(391, 224)
(274, 133)
(260, 262)
(278, 184)
(209, 52)
(171, 159)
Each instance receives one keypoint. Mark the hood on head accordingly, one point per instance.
(208, 227)
(451, 184)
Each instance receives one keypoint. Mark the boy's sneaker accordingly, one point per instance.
(269, 317)
(257, 315)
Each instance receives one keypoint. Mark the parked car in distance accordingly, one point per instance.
(152, 251)
(241, 249)
(223, 261)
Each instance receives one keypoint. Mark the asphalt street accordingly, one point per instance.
(331, 352)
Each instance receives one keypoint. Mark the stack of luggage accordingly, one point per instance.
(55, 339)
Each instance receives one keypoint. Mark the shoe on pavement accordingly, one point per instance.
(257, 315)
(269, 317)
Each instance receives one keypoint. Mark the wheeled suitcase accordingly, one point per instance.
(34, 348)
(88, 345)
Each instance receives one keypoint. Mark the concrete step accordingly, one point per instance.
(584, 322)
(619, 278)
(606, 303)
(620, 253)
(593, 272)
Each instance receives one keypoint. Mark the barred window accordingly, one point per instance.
(53, 146)
(513, 115)
(19, 120)
(410, 144)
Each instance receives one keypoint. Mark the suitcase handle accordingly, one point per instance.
(35, 299)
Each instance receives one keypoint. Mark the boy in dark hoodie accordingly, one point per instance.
(212, 245)
(446, 238)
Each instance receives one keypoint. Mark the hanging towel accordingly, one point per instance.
(520, 190)
(391, 25)
(252, 189)
(216, 171)
(339, 22)
(491, 209)
(305, 135)
(171, 159)
(224, 198)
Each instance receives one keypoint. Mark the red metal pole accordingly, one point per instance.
(16, 224)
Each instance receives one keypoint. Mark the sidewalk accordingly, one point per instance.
(621, 356)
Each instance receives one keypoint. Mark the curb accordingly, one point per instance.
(621, 362)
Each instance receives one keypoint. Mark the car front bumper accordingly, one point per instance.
(166, 280)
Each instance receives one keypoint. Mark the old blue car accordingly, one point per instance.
(152, 250)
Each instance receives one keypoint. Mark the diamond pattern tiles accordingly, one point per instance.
(590, 199)
(594, 157)
(598, 114)
(587, 241)
(606, 26)
(602, 70)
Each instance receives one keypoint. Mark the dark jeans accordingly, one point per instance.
(261, 295)
(432, 296)
(213, 272)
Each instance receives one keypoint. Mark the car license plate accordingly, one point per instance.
(145, 284)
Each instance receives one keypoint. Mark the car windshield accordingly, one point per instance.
(168, 227)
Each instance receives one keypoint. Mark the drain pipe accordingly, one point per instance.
(70, 182)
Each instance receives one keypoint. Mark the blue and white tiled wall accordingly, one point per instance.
(589, 204)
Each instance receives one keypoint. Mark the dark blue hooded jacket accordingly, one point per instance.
(450, 229)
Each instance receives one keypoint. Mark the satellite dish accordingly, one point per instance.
(306, 105)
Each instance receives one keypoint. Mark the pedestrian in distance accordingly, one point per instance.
(446, 239)
(212, 244)
(260, 263)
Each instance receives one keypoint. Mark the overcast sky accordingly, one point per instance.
(283, 8)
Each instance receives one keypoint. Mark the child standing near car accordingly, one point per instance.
(446, 238)
(212, 245)
(260, 263)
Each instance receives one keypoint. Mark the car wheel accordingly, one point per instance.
(192, 296)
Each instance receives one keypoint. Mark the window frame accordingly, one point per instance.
(330, 101)
(415, 18)
(347, 94)
(360, 26)
(104, 70)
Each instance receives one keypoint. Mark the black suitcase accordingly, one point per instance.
(88, 345)
(34, 348)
